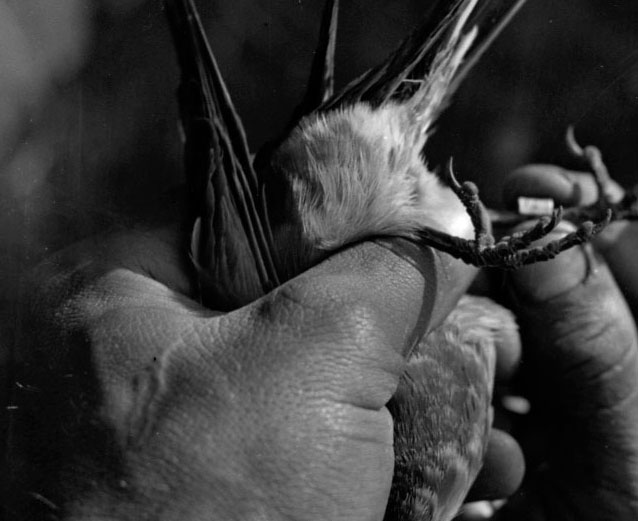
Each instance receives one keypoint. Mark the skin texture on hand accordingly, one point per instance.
(134, 402)
(137, 402)
(579, 369)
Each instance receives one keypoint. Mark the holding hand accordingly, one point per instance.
(579, 369)
(135, 402)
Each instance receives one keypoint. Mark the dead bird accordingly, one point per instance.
(351, 167)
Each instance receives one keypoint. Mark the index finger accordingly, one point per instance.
(618, 243)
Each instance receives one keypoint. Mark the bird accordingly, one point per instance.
(443, 414)
(350, 167)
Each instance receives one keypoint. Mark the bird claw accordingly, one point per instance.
(591, 157)
(514, 251)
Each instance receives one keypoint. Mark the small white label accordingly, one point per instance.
(535, 206)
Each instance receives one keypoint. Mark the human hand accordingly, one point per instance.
(579, 369)
(135, 402)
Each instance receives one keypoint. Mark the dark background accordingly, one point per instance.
(88, 130)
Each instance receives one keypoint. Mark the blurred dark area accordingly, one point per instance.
(88, 120)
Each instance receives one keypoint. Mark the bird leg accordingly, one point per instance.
(509, 252)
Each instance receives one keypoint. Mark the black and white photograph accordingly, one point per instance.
(318, 260)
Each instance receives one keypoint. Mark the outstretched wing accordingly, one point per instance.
(231, 242)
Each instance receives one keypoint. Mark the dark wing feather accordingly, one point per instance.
(377, 84)
(491, 18)
(415, 56)
(231, 242)
(321, 81)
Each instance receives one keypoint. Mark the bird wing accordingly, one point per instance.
(442, 414)
(322, 72)
(231, 242)
(445, 30)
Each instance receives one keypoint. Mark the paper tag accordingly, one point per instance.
(535, 206)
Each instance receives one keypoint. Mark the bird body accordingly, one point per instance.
(357, 170)
(356, 173)
(443, 402)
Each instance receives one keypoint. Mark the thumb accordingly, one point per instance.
(367, 305)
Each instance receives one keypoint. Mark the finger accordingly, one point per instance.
(619, 247)
(566, 187)
(581, 363)
(577, 327)
(543, 281)
(618, 243)
(360, 312)
(540, 181)
(503, 469)
(507, 342)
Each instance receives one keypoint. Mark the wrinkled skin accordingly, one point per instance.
(136, 403)
(579, 370)
(140, 404)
